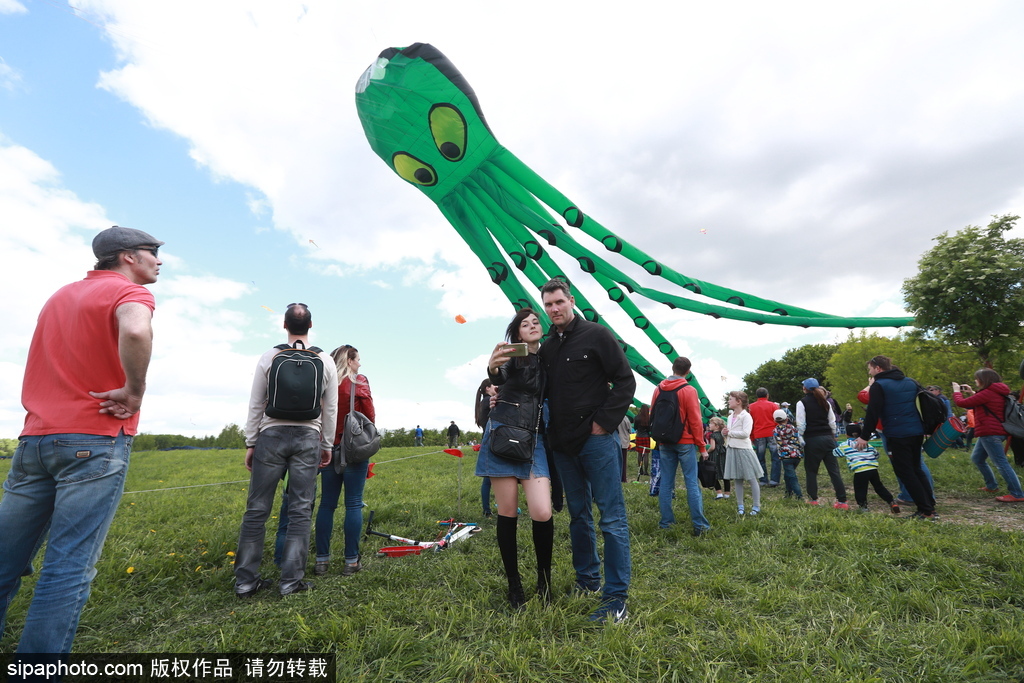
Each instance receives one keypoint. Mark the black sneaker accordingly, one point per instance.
(300, 587)
(261, 585)
(351, 569)
(613, 611)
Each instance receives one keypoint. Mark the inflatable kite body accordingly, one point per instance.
(422, 118)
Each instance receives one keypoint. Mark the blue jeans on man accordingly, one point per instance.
(591, 477)
(297, 450)
(685, 455)
(768, 442)
(53, 480)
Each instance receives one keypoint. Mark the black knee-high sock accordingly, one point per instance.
(543, 540)
(509, 548)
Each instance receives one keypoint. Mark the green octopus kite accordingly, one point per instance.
(422, 118)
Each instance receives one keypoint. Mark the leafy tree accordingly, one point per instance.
(231, 436)
(7, 447)
(782, 377)
(970, 289)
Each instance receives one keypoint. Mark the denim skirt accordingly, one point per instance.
(490, 465)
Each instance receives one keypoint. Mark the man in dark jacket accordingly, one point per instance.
(892, 399)
(589, 387)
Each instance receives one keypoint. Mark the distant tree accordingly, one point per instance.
(7, 447)
(231, 436)
(782, 377)
(970, 289)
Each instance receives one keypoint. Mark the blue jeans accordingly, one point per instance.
(588, 478)
(792, 481)
(992, 447)
(297, 450)
(74, 482)
(353, 479)
(685, 454)
(759, 447)
(485, 494)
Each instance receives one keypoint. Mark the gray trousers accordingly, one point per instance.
(295, 450)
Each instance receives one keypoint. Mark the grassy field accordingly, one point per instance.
(797, 594)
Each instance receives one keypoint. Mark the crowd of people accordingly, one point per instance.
(554, 414)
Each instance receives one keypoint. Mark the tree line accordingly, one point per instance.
(232, 436)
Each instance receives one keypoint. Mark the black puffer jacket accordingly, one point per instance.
(520, 383)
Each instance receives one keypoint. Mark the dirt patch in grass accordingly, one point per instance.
(975, 511)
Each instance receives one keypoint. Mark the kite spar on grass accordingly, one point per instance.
(423, 119)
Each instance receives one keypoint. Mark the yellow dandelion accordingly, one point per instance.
(199, 568)
(131, 569)
(231, 553)
(170, 554)
(204, 552)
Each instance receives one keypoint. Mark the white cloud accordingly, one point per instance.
(12, 7)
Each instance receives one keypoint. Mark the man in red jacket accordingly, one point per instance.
(684, 452)
(763, 411)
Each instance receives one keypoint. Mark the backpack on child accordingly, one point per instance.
(667, 425)
(295, 383)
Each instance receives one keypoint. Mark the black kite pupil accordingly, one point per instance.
(450, 150)
(423, 175)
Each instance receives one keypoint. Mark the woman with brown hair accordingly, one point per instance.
(989, 405)
(520, 381)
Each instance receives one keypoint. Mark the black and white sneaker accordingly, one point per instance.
(613, 611)
(261, 585)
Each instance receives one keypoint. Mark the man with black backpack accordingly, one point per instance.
(293, 411)
(892, 401)
(677, 428)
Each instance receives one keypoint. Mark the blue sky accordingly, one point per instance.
(796, 152)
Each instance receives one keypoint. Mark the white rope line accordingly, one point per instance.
(245, 481)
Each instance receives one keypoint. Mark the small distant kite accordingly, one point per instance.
(269, 309)
(460, 320)
(703, 231)
(314, 244)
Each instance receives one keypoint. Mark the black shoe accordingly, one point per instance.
(351, 569)
(300, 587)
(321, 567)
(516, 596)
(261, 585)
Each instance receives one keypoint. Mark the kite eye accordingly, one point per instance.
(448, 127)
(414, 170)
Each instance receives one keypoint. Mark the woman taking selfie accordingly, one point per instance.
(512, 453)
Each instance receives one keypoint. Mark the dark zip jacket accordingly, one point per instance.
(588, 380)
(520, 383)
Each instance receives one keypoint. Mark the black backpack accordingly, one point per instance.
(931, 408)
(666, 424)
(295, 383)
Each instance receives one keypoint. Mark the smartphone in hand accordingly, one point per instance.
(517, 350)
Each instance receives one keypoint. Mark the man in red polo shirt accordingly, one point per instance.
(85, 377)
(763, 411)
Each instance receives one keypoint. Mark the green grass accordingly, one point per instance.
(797, 594)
